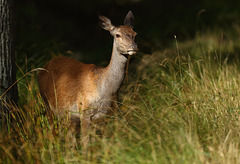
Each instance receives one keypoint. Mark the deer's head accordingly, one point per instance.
(124, 36)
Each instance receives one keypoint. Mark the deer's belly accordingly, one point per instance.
(97, 109)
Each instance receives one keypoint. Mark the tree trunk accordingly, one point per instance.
(7, 59)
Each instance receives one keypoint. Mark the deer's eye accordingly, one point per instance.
(118, 36)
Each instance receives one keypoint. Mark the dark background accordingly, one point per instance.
(46, 28)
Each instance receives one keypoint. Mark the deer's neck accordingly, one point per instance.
(113, 73)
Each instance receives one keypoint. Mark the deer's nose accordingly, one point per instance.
(134, 47)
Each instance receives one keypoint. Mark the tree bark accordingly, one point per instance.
(7, 59)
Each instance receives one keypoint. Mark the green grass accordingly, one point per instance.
(181, 105)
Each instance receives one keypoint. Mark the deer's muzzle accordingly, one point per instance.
(132, 50)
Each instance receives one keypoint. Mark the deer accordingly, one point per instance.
(85, 91)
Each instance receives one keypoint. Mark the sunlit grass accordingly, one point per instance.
(181, 105)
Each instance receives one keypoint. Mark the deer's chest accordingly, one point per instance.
(100, 106)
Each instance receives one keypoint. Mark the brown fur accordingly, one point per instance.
(64, 75)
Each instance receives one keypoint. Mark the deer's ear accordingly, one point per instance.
(105, 23)
(129, 19)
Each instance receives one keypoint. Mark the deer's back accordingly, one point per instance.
(69, 84)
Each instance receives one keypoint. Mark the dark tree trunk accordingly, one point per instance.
(7, 59)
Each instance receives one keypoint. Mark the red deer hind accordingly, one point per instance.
(87, 91)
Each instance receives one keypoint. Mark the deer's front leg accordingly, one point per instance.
(115, 103)
(85, 130)
(88, 135)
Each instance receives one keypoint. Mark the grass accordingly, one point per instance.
(181, 105)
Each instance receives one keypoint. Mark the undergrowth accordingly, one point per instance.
(181, 105)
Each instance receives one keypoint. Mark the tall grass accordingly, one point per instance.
(181, 105)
